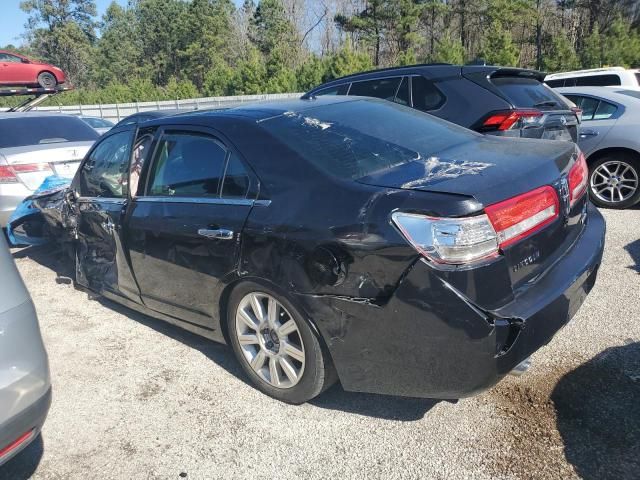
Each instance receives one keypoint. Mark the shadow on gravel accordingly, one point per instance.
(633, 249)
(598, 414)
(24, 465)
(371, 405)
(49, 256)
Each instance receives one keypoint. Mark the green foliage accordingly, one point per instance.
(345, 62)
(167, 49)
(498, 47)
(561, 55)
(449, 50)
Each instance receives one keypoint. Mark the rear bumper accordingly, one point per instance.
(25, 382)
(10, 197)
(30, 420)
(429, 340)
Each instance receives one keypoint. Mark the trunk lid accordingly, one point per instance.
(491, 169)
(60, 159)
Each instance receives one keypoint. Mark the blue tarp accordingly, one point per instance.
(27, 211)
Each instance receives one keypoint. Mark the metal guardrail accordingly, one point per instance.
(116, 111)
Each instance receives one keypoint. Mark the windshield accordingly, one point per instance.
(354, 139)
(528, 93)
(21, 131)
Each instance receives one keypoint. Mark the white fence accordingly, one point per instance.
(116, 111)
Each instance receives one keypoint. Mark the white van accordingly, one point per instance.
(595, 77)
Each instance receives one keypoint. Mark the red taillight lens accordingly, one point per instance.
(520, 216)
(505, 120)
(25, 437)
(8, 173)
(578, 178)
(578, 112)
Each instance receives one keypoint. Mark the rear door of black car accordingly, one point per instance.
(101, 188)
(183, 227)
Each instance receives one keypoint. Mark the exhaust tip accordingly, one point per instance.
(521, 368)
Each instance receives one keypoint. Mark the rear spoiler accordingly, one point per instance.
(490, 71)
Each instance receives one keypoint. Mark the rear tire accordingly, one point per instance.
(614, 181)
(47, 80)
(256, 317)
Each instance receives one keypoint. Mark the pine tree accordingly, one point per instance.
(498, 47)
(561, 56)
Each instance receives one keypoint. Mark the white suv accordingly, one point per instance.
(596, 77)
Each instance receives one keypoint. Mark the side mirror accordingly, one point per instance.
(24, 60)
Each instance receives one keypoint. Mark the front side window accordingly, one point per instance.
(104, 173)
(187, 165)
(384, 88)
(425, 95)
(6, 57)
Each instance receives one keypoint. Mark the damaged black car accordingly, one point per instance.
(333, 239)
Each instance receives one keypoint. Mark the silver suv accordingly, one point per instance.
(25, 384)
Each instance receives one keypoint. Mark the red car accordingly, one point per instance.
(16, 69)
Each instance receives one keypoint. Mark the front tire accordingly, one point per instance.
(276, 346)
(614, 181)
(47, 80)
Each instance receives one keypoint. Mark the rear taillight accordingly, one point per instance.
(578, 113)
(9, 173)
(578, 178)
(520, 216)
(466, 240)
(512, 119)
(17, 443)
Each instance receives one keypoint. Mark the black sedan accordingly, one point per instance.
(340, 238)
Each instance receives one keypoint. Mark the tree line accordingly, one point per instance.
(173, 49)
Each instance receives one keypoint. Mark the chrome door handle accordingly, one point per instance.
(220, 233)
(588, 133)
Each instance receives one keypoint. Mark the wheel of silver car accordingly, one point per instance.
(47, 80)
(614, 182)
(270, 340)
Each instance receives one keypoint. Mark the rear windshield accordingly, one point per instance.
(528, 93)
(354, 139)
(23, 131)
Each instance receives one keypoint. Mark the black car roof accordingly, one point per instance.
(256, 111)
(433, 71)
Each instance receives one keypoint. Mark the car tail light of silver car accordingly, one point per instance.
(9, 173)
(578, 178)
(466, 240)
(17, 443)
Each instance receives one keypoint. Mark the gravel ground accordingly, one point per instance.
(136, 398)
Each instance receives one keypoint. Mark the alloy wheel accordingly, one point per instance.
(614, 181)
(270, 340)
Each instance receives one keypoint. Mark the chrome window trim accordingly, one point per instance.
(211, 201)
(101, 200)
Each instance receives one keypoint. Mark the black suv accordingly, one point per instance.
(500, 101)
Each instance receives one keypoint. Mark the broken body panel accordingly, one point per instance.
(394, 322)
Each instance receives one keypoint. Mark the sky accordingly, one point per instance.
(12, 19)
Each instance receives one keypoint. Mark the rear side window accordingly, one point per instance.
(24, 130)
(187, 165)
(425, 95)
(337, 90)
(104, 173)
(384, 88)
(335, 139)
(598, 81)
(528, 92)
(593, 108)
(402, 97)
(236, 179)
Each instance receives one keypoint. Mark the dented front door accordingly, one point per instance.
(102, 187)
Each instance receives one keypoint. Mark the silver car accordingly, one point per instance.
(34, 145)
(25, 384)
(610, 141)
(99, 124)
